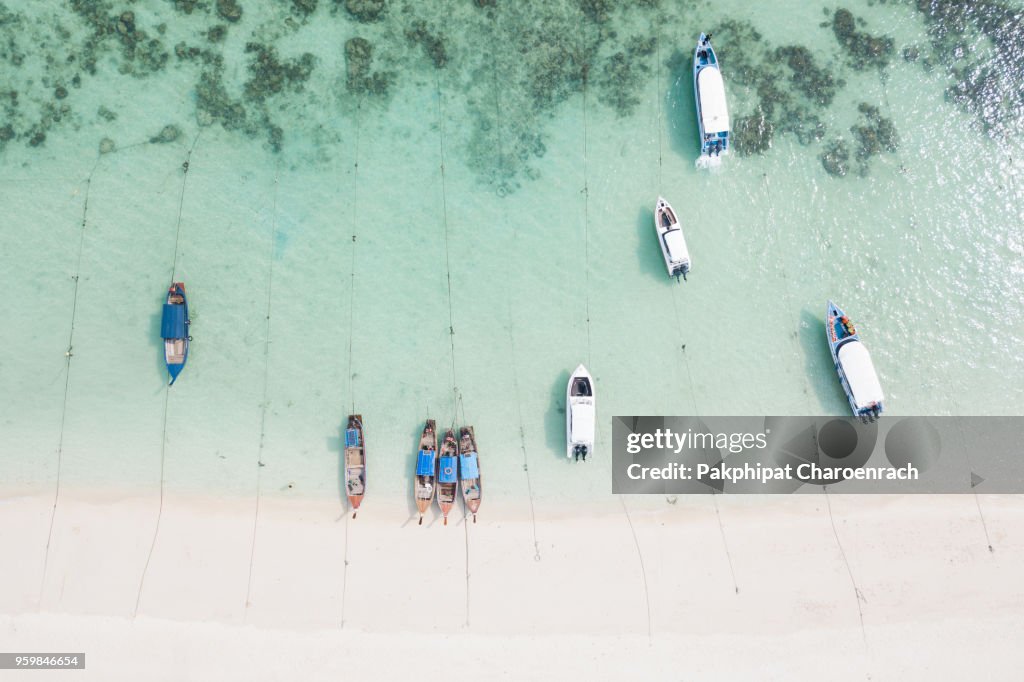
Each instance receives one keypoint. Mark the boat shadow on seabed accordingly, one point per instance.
(818, 365)
(648, 254)
(679, 115)
(554, 418)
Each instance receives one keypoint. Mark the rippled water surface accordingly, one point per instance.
(441, 208)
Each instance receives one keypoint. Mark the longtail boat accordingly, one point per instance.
(469, 470)
(426, 469)
(447, 474)
(174, 327)
(355, 462)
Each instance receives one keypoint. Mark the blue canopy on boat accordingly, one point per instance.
(449, 469)
(469, 468)
(173, 324)
(425, 463)
(351, 438)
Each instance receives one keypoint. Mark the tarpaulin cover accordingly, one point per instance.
(425, 463)
(173, 324)
(351, 438)
(449, 469)
(469, 468)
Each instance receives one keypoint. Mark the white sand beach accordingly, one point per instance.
(765, 588)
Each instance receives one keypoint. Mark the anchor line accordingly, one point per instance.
(447, 253)
(451, 314)
(714, 493)
(790, 304)
(643, 568)
(266, 385)
(352, 264)
(858, 595)
(508, 300)
(167, 389)
(970, 469)
(661, 116)
(68, 354)
(181, 203)
(884, 80)
(351, 336)
(586, 197)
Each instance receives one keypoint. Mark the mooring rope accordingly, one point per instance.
(266, 384)
(167, 388)
(68, 354)
(447, 253)
(509, 298)
(351, 337)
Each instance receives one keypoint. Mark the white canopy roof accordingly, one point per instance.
(860, 374)
(582, 420)
(714, 113)
(676, 245)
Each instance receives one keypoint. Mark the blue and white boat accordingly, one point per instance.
(709, 92)
(469, 470)
(426, 469)
(853, 363)
(174, 327)
(355, 462)
(447, 474)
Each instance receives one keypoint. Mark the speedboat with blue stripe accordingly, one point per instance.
(447, 474)
(469, 470)
(709, 92)
(853, 363)
(174, 328)
(426, 469)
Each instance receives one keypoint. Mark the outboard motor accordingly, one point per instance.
(580, 451)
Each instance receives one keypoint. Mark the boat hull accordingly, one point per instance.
(355, 462)
(470, 480)
(174, 329)
(425, 483)
(447, 474)
(863, 392)
(580, 425)
(709, 98)
(671, 240)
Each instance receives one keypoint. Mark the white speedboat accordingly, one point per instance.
(580, 415)
(853, 363)
(670, 237)
(709, 93)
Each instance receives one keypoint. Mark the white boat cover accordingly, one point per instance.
(714, 113)
(860, 374)
(676, 245)
(583, 420)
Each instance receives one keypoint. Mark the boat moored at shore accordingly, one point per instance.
(426, 469)
(355, 462)
(447, 474)
(469, 470)
(853, 363)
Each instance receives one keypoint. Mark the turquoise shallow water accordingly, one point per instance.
(444, 219)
